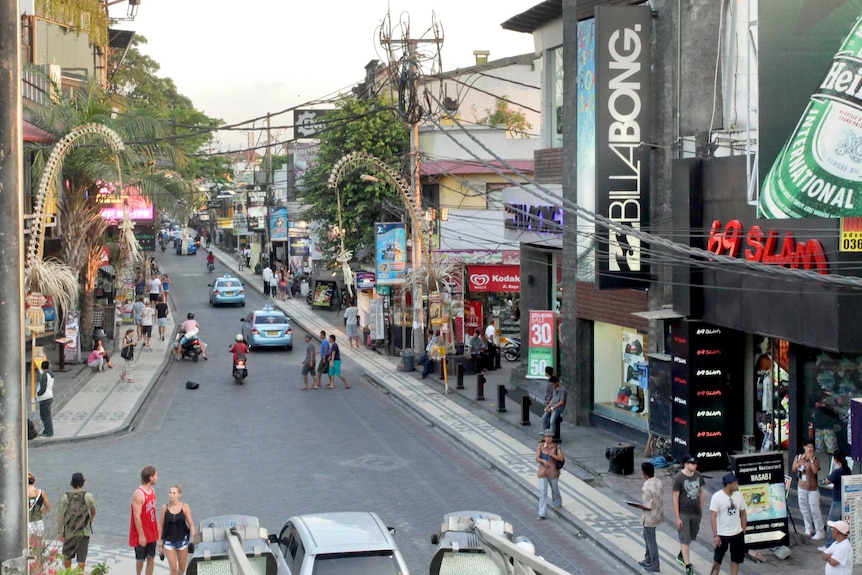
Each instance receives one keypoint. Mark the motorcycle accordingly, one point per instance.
(154, 267)
(240, 371)
(210, 266)
(192, 346)
(512, 349)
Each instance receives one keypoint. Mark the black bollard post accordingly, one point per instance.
(460, 384)
(480, 387)
(557, 430)
(501, 398)
(525, 410)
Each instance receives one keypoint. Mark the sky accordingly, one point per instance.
(241, 60)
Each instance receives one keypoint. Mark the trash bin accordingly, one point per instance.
(621, 459)
(407, 360)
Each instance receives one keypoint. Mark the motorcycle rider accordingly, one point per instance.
(210, 259)
(188, 326)
(238, 348)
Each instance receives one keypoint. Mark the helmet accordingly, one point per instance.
(191, 316)
(239, 337)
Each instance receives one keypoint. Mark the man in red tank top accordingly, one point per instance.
(143, 527)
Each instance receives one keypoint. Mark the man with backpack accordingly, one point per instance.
(77, 508)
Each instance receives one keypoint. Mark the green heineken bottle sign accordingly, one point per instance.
(818, 173)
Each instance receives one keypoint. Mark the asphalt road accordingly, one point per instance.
(270, 450)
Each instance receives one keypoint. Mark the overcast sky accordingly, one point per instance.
(239, 60)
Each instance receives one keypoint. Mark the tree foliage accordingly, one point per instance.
(372, 126)
(515, 121)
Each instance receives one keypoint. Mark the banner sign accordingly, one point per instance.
(365, 280)
(543, 343)
(391, 253)
(278, 224)
(473, 318)
(323, 292)
(851, 503)
(146, 236)
(299, 246)
(623, 105)
(378, 326)
(494, 278)
(761, 483)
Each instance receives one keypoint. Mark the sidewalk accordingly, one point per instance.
(592, 497)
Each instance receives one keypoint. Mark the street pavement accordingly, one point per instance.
(98, 405)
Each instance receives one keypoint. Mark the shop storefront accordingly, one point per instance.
(493, 298)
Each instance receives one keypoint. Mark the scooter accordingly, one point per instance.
(192, 347)
(240, 372)
(210, 266)
(512, 349)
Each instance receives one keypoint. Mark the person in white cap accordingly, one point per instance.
(728, 524)
(839, 555)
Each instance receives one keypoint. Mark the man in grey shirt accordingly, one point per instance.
(308, 362)
(555, 407)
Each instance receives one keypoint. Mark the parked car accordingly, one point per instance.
(191, 248)
(267, 327)
(459, 549)
(344, 543)
(226, 289)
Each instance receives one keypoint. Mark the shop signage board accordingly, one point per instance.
(299, 246)
(542, 343)
(391, 256)
(146, 236)
(851, 511)
(855, 429)
(494, 278)
(623, 108)
(851, 235)
(323, 292)
(761, 483)
(278, 224)
(378, 326)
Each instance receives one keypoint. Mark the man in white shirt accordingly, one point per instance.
(155, 289)
(267, 280)
(839, 555)
(728, 524)
(493, 348)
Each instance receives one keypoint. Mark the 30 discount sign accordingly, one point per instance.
(543, 343)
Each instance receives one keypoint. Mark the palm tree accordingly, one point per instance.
(145, 163)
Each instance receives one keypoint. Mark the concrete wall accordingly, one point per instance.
(57, 45)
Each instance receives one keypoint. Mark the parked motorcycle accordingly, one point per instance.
(240, 371)
(512, 349)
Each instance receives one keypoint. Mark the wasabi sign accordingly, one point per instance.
(543, 343)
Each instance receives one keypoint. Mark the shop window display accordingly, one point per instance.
(831, 381)
(771, 377)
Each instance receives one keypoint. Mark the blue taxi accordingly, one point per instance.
(267, 327)
(226, 289)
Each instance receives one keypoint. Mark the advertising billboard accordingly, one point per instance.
(391, 243)
(623, 107)
(278, 224)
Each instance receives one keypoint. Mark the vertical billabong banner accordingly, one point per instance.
(623, 106)
(543, 343)
(810, 116)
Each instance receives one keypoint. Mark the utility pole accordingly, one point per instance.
(573, 364)
(13, 463)
(268, 195)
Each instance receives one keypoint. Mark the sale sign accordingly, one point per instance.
(542, 343)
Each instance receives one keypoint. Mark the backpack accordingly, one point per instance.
(77, 515)
(560, 464)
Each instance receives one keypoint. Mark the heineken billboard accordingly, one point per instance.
(810, 89)
(623, 107)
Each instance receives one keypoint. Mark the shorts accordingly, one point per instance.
(163, 321)
(154, 297)
(147, 330)
(177, 545)
(335, 368)
(323, 367)
(149, 550)
(736, 543)
(137, 320)
(690, 528)
(36, 527)
(76, 547)
(306, 369)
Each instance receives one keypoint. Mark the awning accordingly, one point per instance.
(108, 269)
(455, 168)
(33, 134)
(663, 313)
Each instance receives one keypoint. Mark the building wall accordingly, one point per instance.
(57, 45)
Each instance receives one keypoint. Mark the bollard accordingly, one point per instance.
(501, 398)
(460, 384)
(557, 430)
(525, 410)
(480, 387)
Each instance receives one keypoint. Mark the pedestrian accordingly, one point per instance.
(806, 466)
(547, 455)
(38, 507)
(491, 345)
(425, 360)
(335, 363)
(100, 346)
(140, 283)
(652, 516)
(554, 409)
(549, 388)
(323, 366)
(267, 280)
(478, 352)
(840, 470)
(155, 288)
(137, 308)
(144, 530)
(688, 498)
(76, 511)
(166, 286)
(308, 363)
(127, 352)
(282, 285)
(96, 359)
(148, 315)
(351, 322)
(177, 529)
(727, 508)
(839, 555)
(45, 397)
(162, 310)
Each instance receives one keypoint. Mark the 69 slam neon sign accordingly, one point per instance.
(767, 248)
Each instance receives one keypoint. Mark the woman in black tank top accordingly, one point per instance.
(178, 530)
